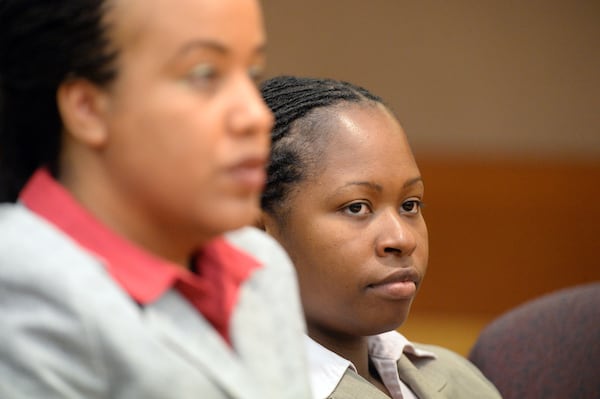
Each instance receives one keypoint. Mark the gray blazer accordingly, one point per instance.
(67, 330)
(449, 376)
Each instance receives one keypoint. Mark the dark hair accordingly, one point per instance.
(42, 44)
(296, 103)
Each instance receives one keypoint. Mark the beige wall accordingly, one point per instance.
(501, 101)
(509, 78)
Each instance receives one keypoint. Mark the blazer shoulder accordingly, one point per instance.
(34, 248)
(261, 246)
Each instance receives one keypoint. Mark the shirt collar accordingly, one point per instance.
(326, 368)
(144, 276)
(392, 344)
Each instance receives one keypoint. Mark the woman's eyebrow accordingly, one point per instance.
(213, 45)
(200, 44)
(368, 184)
(413, 181)
(378, 187)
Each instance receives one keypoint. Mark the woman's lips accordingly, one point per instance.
(397, 290)
(250, 174)
(400, 285)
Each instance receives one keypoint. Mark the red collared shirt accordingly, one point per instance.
(213, 291)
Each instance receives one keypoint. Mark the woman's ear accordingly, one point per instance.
(82, 106)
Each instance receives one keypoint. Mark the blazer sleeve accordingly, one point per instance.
(46, 348)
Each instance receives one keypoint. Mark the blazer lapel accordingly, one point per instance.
(353, 386)
(421, 382)
(189, 335)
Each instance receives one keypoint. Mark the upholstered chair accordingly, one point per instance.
(546, 348)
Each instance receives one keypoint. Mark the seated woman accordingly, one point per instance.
(344, 198)
(133, 145)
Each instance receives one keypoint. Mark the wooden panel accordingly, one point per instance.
(455, 331)
(503, 232)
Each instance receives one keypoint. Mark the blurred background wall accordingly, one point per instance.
(501, 102)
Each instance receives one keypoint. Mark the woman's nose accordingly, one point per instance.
(249, 114)
(397, 235)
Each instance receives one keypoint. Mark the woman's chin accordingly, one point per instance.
(389, 324)
(234, 215)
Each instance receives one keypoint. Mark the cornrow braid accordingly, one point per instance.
(295, 103)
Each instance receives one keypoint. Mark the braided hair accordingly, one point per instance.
(302, 108)
(42, 44)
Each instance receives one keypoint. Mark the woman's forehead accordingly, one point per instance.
(357, 139)
(361, 126)
(176, 21)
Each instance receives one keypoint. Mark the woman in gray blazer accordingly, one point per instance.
(344, 198)
(133, 142)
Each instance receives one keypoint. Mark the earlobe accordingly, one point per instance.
(82, 106)
(269, 224)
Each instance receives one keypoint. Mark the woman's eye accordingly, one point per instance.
(411, 206)
(202, 74)
(357, 208)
